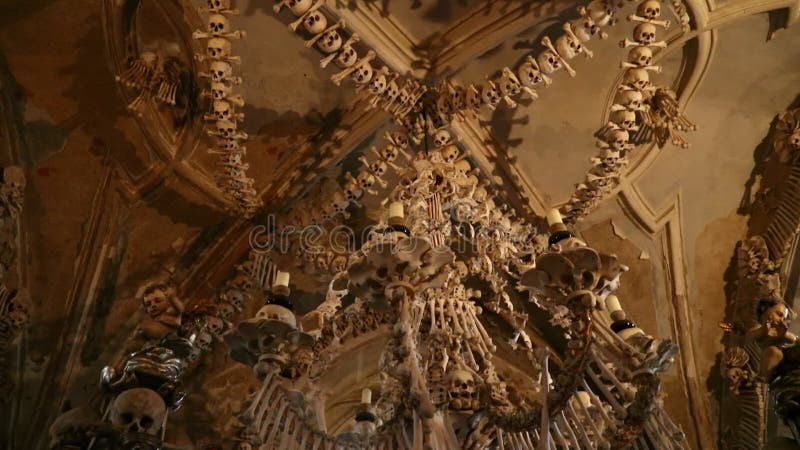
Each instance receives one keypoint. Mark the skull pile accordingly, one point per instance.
(223, 118)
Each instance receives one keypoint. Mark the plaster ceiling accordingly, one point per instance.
(78, 135)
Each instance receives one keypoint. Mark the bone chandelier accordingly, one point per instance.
(500, 333)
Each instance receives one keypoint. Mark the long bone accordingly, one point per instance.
(559, 437)
(602, 441)
(655, 433)
(310, 42)
(581, 426)
(338, 77)
(627, 65)
(547, 43)
(625, 43)
(266, 402)
(289, 428)
(611, 398)
(319, 4)
(570, 434)
(636, 18)
(271, 423)
(249, 414)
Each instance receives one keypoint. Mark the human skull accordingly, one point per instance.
(458, 98)
(222, 110)
(330, 42)
(218, 48)
(617, 139)
(220, 71)
(226, 128)
(568, 47)
(443, 106)
(339, 264)
(736, 377)
(378, 168)
(219, 5)
(299, 7)
(450, 154)
(277, 313)
(363, 73)
(400, 138)
(226, 310)
(625, 119)
(353, 191)
(365, 180)
(491, 95)
(138, 410)
(474, 97)
(601, 12)
(529, 75)
(391, 92)
(638, 78)
(217, 24)
(641, 56)
(389, 153)
(549, 62)
(220, 91)
(509, 84)
(378, 84)
(234, 296)
(644, 33)
(462, 390)
(203, 340)
(585, 28)
(649, 9)
(346, 57)
(632, 100)
(215, 325)
(794, 139)
(315, 23)
(441, 138)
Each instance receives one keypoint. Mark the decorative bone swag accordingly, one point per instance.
(223, 116)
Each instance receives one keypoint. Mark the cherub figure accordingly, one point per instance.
(773, 334)
(163, 309)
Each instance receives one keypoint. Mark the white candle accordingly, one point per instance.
(366, 397)
(612, 304)
(553, 216)
(396, 210)
(282, 279)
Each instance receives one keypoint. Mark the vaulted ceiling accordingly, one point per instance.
(109, 205)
